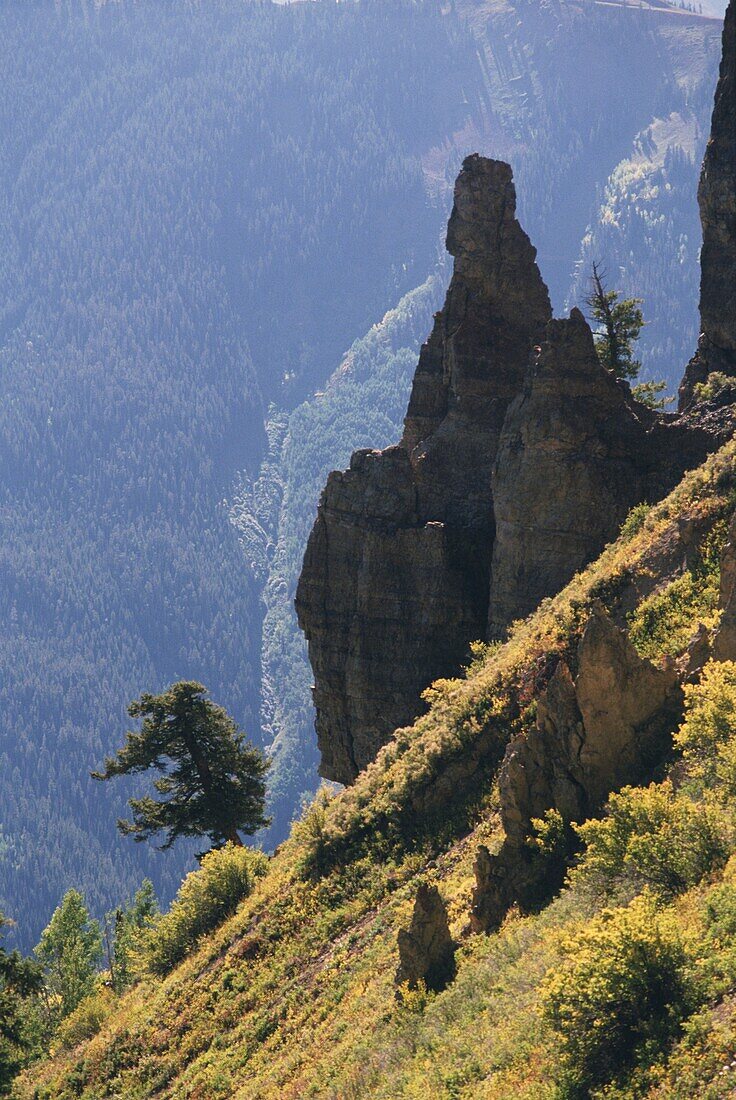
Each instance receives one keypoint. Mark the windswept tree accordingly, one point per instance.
(212, 780)
(617, 325)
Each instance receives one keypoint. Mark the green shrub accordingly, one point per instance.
(205, 899)
(635, 520)
(655, 837)
(715, 384)
(87, 1018)
(706, 736)
(664, 622)
(623, 990)
(718, 951)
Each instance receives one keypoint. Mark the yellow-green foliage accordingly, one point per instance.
(656, 837)
(717, 382)
(205, 898)
(87, 1018)
(624, 986)
(292, 998)
(635, 520)
(664, 623)
(706, 737)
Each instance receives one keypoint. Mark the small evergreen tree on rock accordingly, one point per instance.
(212, 780)
(617, 326)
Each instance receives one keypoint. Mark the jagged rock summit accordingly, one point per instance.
(396, 573)
(520, 458)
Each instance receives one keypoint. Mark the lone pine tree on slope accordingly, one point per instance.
(212, 779)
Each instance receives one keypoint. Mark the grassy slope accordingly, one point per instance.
(293, 997)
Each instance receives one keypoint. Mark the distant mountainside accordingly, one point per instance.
(202, 208)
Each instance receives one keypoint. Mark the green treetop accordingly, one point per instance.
(70, 951)
(124, 933)
(618, 325)
(212, 779)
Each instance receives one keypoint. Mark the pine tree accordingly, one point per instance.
(128, 924)
(212, 779)
(618, 325)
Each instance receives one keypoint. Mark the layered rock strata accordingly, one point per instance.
(717, 200)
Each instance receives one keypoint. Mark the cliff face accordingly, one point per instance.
(396, 573)
(717, 200)
(576, 454)
(520, 458)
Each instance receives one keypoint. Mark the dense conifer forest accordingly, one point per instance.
(200, 206)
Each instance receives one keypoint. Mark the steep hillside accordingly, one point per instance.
(294, 996)
(531, 891)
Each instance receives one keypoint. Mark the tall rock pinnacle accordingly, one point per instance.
(520, 458)
(396, 573)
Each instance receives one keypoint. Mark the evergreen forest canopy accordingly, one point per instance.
(201, 208)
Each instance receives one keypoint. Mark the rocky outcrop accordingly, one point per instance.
(521, 456)
(593, 734)
(395, 578)
(717, 200)
(576, 453)
(426, 948)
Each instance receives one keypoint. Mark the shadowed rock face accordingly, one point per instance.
(520, 458)
(426, 949)
(395, 578)
(594, 734)
(717, 199)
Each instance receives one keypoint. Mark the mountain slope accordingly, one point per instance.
(293, 997)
